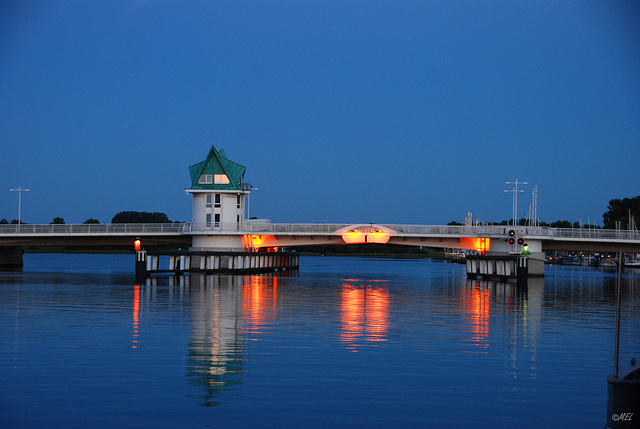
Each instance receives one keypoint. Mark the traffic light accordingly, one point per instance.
(512, 233)
(521, 241)
(512, 240)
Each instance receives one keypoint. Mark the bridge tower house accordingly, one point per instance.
(219, 192)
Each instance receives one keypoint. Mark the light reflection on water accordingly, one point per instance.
(344, 342)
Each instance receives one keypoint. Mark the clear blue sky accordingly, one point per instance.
(342, 111)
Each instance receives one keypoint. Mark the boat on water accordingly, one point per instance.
(632, 261)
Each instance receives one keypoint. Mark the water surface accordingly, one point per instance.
(344, 342)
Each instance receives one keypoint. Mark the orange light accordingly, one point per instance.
(254, 242)
(365, 234)
(479, 244)
(137, 244)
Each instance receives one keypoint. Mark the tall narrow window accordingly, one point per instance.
(238, 202)
(208, 220)
(217, 200)
(217, 220)
(208, 200)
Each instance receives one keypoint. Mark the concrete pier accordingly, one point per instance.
(213, 262)
(11, 258)
(498, 267)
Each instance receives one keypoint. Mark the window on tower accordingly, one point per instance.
(206, 179)
(221, 179)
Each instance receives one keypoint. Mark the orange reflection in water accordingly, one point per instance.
(364, 313)
(136, 312)
(259, 300)
(475, 307)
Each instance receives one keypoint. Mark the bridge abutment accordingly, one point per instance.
(11, 258)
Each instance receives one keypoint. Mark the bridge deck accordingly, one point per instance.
(180, 233)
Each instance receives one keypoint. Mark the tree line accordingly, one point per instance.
(122, 217)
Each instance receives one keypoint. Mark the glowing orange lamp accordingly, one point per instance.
(137, 244)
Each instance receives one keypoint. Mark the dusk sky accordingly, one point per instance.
(396, 112)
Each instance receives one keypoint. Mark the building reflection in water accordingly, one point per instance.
(227, 310)
(364, 312)
(520, 306)
(223, 310)
(215, 343)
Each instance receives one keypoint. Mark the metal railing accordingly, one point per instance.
(91, 228)
(493, 231)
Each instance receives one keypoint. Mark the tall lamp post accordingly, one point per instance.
(515, 197)
(20, 190)
(249, 201)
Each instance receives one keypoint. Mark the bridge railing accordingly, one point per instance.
(263, 227)
(316, 228)
(592, 233)
(91, 228)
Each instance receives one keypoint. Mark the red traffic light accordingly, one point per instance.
(512, 240)
(521, 241)
(137, 244)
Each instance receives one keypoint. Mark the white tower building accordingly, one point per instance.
(218, 201)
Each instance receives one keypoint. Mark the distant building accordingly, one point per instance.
(219, 191)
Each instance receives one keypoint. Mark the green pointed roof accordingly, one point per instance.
(216, 172)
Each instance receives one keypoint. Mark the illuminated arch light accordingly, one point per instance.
(365, 234)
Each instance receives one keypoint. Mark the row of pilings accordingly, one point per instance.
(213, 262)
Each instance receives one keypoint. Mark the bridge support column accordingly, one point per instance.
(534, 247)
(141, 265)
(11, 258)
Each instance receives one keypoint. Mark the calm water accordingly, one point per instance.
(345, 342)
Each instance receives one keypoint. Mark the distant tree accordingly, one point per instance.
(91, 220)
(58, 221)
(140, 217)
(4, 221)
(453, 222)
(15, 222)
(560, 224)
(618, 212)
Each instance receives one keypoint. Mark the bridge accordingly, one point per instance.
(256, 235)
(252, 236)
(219, 225)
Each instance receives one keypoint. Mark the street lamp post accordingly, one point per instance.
(515, 197)
(20, 190)
(249, 201)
